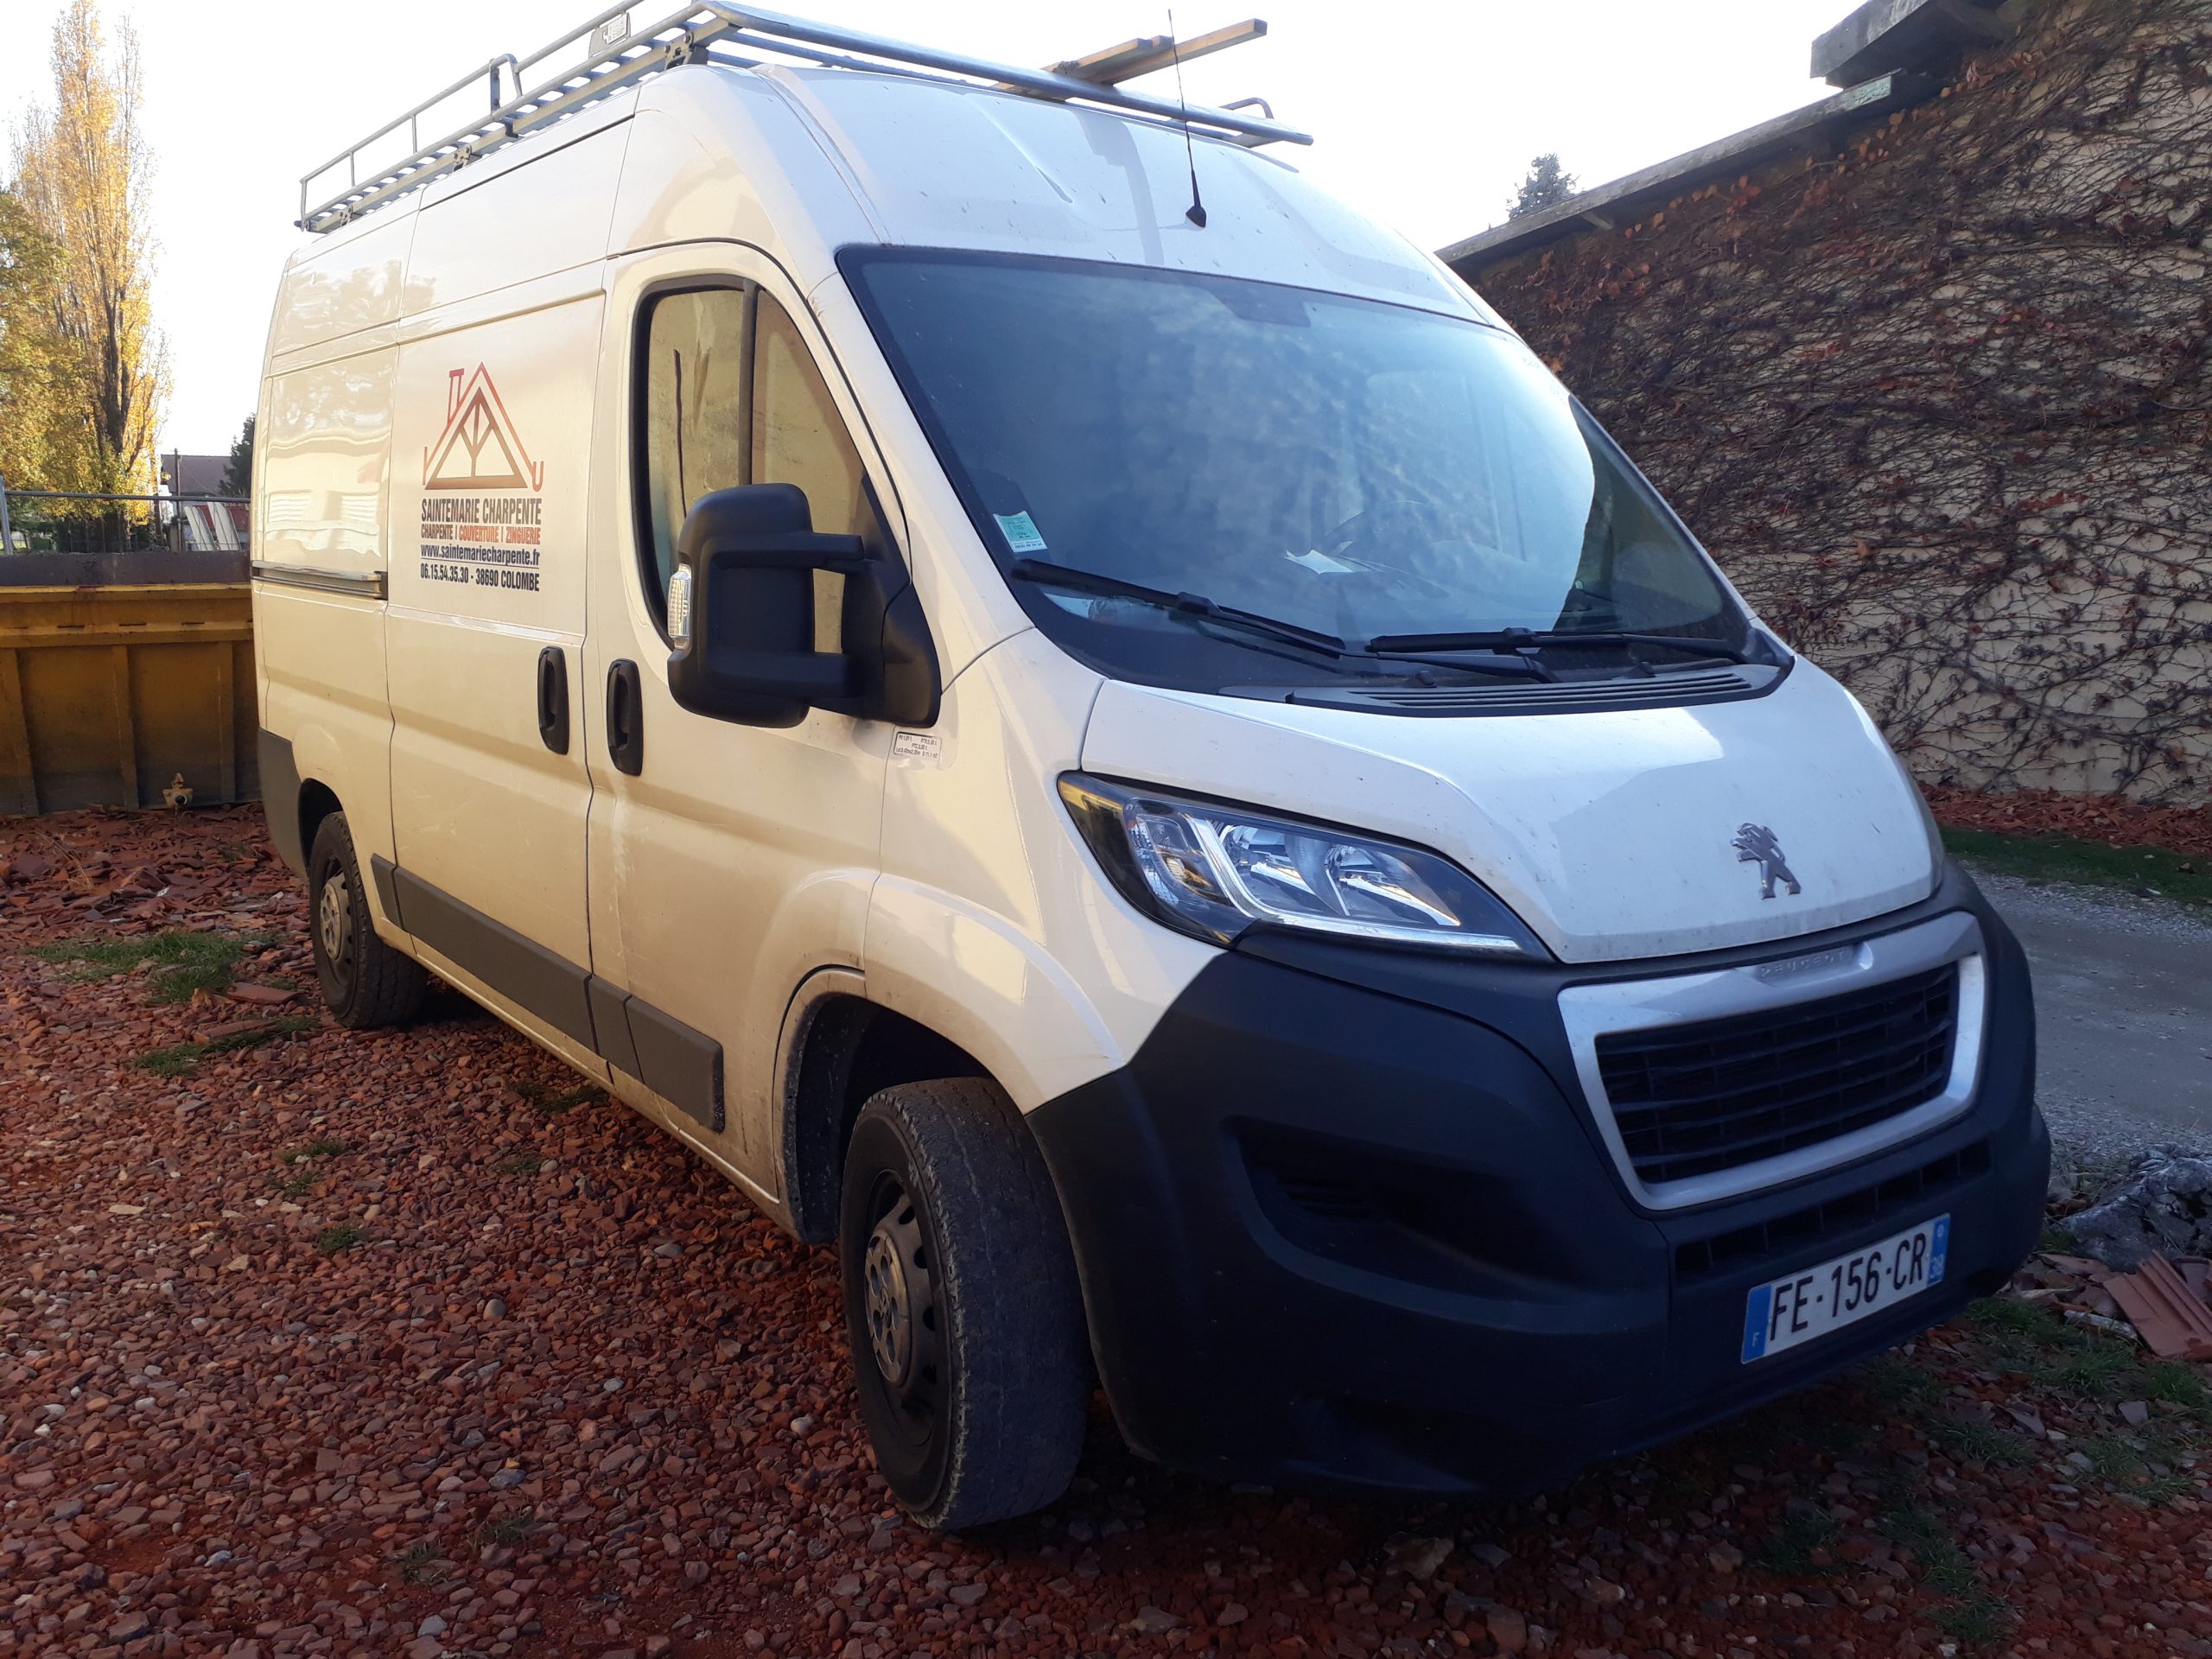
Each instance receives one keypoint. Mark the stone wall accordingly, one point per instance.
(1942, 404)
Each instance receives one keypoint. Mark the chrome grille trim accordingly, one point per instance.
(1784, 980)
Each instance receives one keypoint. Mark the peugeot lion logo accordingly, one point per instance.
(1754, 844)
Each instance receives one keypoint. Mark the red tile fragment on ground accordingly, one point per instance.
(2171, 1318)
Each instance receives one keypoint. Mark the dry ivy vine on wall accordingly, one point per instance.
(1943, 403)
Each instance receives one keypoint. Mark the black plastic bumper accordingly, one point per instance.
(1344, 1219)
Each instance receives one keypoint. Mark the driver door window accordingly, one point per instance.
(730, 396)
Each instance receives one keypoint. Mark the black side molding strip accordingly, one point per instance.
(384, 874)
(522, 970)
(682, 1065)
(610, 1020)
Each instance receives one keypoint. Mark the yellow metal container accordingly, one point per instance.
(108, 694)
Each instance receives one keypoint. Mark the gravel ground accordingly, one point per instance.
(2123, 1015)
(326, 1343)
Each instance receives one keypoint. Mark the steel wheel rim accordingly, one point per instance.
(335, 920)
(899, 1308)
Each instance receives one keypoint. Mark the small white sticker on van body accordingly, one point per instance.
(1020, 531)
(917, 746)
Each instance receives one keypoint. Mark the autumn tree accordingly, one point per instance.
(31, 353)
(1547, 185)
(83, 175)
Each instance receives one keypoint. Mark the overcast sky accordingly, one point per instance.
(1424, 117)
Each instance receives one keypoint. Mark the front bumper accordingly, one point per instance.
(1347, 1219)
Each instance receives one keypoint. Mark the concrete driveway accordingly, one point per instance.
(2123, 1015)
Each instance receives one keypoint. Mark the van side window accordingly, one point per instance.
(692, 418)
(700, 431)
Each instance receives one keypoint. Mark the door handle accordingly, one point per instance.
(625, 709)
(553, 698)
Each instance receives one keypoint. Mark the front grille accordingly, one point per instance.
(1691, 1099)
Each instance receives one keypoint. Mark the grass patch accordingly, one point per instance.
(173, 1061)
(1946, 1568)
(2033, 1342)
(2009, 1313)
(178, 1059)
(1897, 1385)
(2162, 1489)
(2086, 863)
(509, 1530)
(553, 1105)
(2058, 1240)
(2100, 1369)
(340, 1235)
(2172, 1381)
(1980, 1620)
(1972, 1441)
(185, 962)
(2111, 1456)
(523, 1163)
(422, 1563)
(321, 1146)
(1799, 1549)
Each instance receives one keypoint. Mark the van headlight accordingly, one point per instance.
(1215, 871)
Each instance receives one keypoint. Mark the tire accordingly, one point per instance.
(962, 1304)
(366, 983)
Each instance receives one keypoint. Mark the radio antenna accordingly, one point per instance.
(1196, 213)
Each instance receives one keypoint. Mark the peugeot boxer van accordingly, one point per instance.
(1092, 730)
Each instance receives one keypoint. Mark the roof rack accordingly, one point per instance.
(613, 55)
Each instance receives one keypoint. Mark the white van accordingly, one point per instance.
(1133, 761)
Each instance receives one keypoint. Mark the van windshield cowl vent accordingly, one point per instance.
(1565, 696)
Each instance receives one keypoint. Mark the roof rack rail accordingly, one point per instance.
(613, 55)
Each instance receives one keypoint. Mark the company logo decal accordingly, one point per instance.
(1756, 844)
(479, 449)
(483, 512)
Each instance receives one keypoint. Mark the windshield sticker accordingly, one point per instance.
(1021, 532)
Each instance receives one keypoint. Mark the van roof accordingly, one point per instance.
(818, 156)
(940, 165)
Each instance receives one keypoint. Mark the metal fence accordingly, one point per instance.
(74, 538)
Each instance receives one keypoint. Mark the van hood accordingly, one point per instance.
(1612, 834)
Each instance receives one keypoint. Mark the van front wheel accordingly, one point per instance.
(364, 979)
(961, 1305)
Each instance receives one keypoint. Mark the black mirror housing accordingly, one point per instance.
(742, 625)
(740, 612)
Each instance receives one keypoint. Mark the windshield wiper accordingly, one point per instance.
(1199, 607)
(1516, 639)
(1046, 574)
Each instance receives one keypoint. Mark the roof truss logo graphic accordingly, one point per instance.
(479, 448)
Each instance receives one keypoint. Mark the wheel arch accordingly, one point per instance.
(840, 1048)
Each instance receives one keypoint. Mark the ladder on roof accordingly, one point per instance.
(613, 55)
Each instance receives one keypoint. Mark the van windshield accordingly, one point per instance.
(1355, 469)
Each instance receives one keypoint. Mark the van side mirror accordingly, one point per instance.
(740, 608)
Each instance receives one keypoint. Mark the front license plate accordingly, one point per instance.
(1786, 1312)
